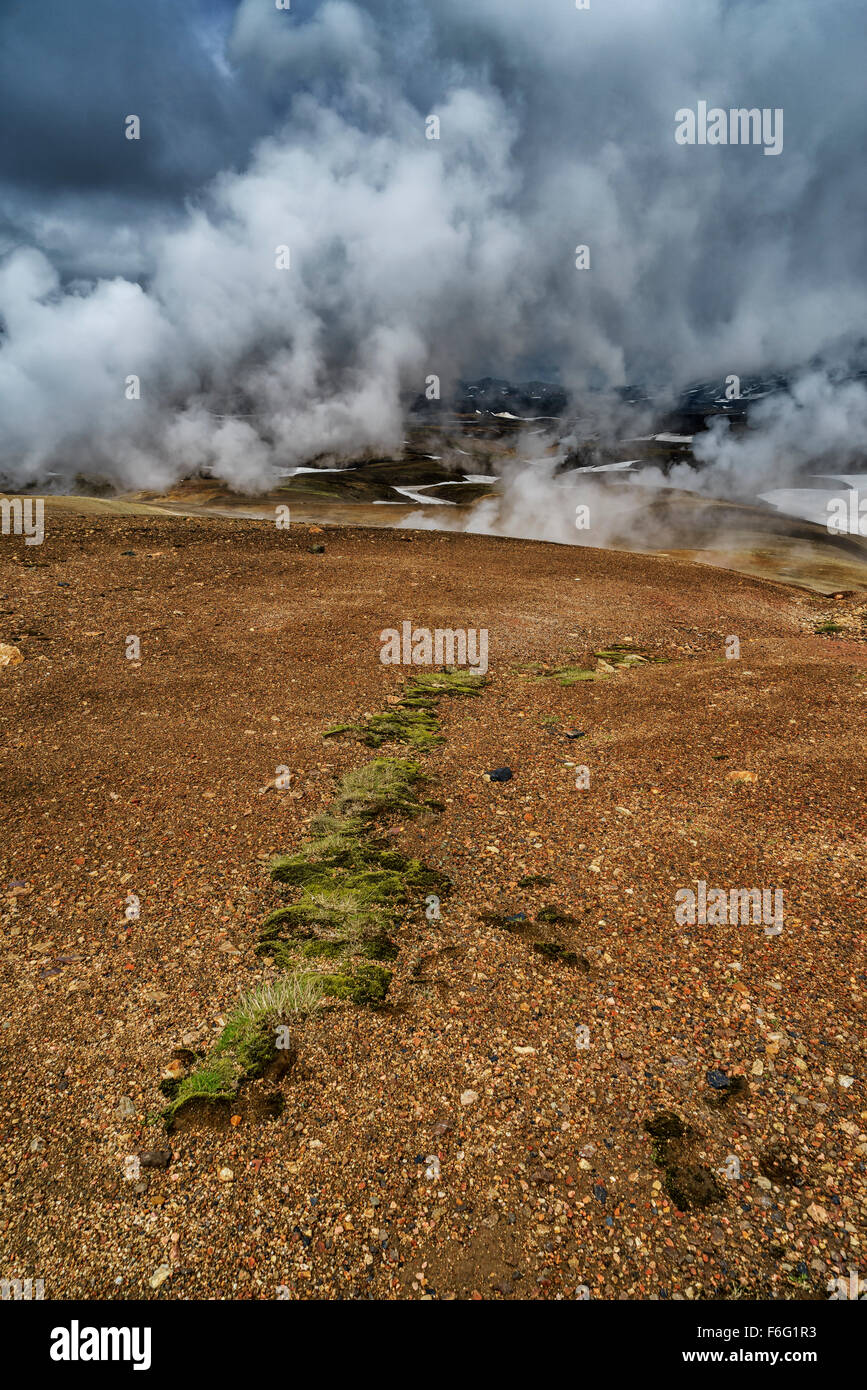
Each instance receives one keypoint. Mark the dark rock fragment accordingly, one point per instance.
(155, 1158)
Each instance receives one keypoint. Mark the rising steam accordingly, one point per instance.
(454, 256)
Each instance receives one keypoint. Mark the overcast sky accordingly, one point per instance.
(409, 256)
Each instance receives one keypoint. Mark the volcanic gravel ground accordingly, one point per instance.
(146, 777)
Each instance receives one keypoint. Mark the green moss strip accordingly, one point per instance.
(353, 887)
(413, 720)
(352, 891)
(366, 984)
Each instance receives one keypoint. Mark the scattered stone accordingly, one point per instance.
(160, 1275)
(818, 1214)
(543, 1176)
(9, 656)
(155, 1158)
(718, 1080)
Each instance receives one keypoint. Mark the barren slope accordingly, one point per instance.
(120, 777)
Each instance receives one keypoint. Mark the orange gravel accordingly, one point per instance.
(145, 777)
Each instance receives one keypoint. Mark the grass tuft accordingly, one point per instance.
(248, 1043)
(383, 787)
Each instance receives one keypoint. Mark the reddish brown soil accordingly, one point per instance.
(145, 777)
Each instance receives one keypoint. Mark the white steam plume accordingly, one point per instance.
(456, 256)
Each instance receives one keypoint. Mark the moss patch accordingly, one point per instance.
(552, 950)
(413, 720)
(383, 787)
(418, 727)
(622, 656)
(571, 675)
(318, 950)
(241, 1053)
(555, 917)
(216, 1081)
(609, 660)
(431, 685)
(664, 1125)
(691, 1185)
(353, 887)
(518, 924)
(366, 984)
(688, 1184)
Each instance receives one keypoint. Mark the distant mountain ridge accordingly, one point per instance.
(687, 414)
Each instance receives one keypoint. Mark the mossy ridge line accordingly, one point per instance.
(354, 887)
(413, 719)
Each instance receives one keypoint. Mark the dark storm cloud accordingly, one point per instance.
(70, 73)
(70, 182)
(408, 257)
